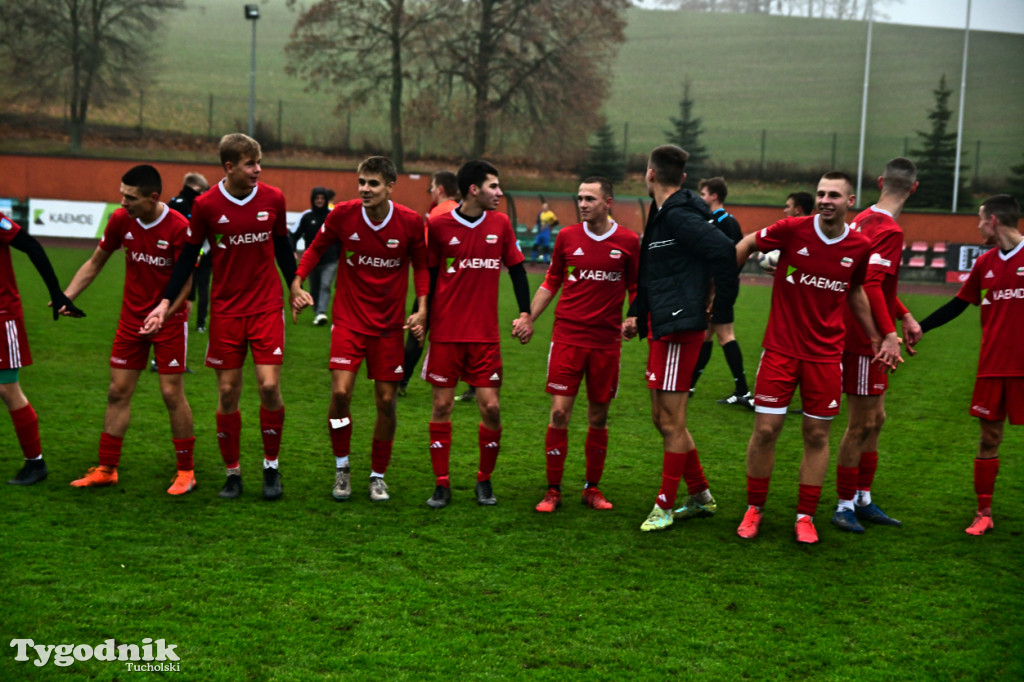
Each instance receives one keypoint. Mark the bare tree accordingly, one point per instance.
(541, 63)
(89, 51)
(361, 49)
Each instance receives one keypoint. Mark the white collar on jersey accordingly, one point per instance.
(369, 223)
(236, 200)
(822, 237)
(457, 216)
(600, 237)
(1010, 254)
(880, 210)
(146, 226)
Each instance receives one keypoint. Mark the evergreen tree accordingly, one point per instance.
(1015, 183)
(936, 158)
(686, 132)
(604, 158)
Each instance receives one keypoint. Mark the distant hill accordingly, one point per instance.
(794, 83)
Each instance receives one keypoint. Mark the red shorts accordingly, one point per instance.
(820, 383)
(672, 359)
(996, 398)
(170, 347)
(478, 364)
(230, 338)
(567, 365)
(384, 354)
(863, 377)
(14, 351)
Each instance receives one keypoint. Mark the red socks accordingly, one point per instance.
(556, 448)
(229, 436)
(440, 450)
(693, 473)
(26, 428)
(985, 471)
(341, 436)
(868, 466)
(846, 482)
(671, 472)
(183, 449)
(110, 450)
(380, 455)
(807, 501)
(596, 450)
(271, 422)
(490, 445)
(757, 491)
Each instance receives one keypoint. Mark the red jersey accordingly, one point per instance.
(241, 234)
(883, 271)
(150, 251)
(809, 291)
(469, 256)
(595, 271)
(10, 300)
(996, 283)
(373, 271)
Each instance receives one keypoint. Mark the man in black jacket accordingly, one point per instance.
(322, 276)
(687, 266)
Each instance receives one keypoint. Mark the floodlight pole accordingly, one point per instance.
(960, 114)
(864, 104)
(252, 13)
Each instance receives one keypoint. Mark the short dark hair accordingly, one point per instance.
(804, 200)
(234, 146)
(899, 176)
(447, 181)
(474, 173)
(716, 186)
(1004, 207)
(145, 178)
(669, 164)
(839, 175)
(379, 165)
(607, 188)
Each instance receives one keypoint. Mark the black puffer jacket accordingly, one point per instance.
(681, 254)
(310, 223)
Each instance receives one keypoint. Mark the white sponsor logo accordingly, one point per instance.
(222, 245)
(159, 261)
(989, 274)
(803, 252)
(659, 245)
(277, 351)
(558, 387)
(454, 242)
(846, 262)
(262, 216)
(399, 370)
(270, 432)
(833, 404)
(766, 398)
(118, 361)
(652, 377)
(600, 275)
(876, 259)
(223, 219)
(578, 251)
(1003, 294)
(823, 283)
(438, 377)
(495, 377)
(677, 312)
(215, 361)
(128, 235)
(554, 452)
(375, 262)
(64, 655)
(248, 238)
(615, 253)
(392, 243)
(492, 239)
(173, 363)
(162, 244)
(480, 263)
(436, 445)
(979, 409)
(493, 444)
(340, 361)
(340, 423)
(354, 237)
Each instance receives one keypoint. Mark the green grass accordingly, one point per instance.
(307, 588)
(799, 79)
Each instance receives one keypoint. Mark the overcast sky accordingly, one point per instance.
(986, 15)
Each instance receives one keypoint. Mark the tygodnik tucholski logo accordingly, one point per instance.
(154, 656)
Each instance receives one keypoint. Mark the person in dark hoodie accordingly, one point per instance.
(321, 277)
(687, 266)
(195, 184)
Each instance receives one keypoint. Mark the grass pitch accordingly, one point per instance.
(309, 588)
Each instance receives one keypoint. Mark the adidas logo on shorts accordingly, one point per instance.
(173, 363)
(495, 377)
(277, 351)
(399, 370)
(833, 404)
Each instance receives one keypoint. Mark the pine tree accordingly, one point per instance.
(604, 158)
(1015, 183)
(936, 158)
(686, 132)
